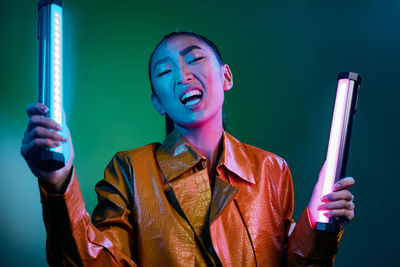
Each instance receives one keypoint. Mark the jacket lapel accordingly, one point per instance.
(229, 229)
(188, 183)
(223, 194)
(193, 194)
(175, 156)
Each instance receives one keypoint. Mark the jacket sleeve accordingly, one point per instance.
(305, 246)
(71, 238)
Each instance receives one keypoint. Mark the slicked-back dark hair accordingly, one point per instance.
(169, 123)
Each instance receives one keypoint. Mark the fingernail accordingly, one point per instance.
(43, 109)
(58, 143)
(324, 198)
(64, 139)
(327, 214)
(336, 186)
(321, 207)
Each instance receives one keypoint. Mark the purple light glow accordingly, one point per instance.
(335, 139)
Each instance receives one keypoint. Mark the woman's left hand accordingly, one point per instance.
(339, 204)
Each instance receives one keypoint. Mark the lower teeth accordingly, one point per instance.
(192, 102)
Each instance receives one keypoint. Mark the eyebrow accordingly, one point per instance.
(188, 49)
(182, 53)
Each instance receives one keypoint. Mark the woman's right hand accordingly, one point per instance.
(42, 133)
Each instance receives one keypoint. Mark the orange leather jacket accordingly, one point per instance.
(156, 208)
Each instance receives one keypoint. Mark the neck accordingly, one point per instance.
(206, 139)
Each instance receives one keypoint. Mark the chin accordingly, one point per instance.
(201, 120)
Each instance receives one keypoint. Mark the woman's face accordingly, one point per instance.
(188, 81)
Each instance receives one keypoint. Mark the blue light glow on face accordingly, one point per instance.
(183, 67)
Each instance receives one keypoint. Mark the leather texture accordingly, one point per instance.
(156, 207)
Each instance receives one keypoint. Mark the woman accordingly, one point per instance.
(199, 198)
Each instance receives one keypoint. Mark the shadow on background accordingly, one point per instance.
(284, 58)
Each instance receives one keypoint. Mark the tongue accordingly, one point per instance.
(191, 99)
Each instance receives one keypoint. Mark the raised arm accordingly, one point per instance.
(307, 247)
(71, 238)
(110, 240)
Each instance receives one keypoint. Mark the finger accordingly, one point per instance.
(37, 120)
(338, 195)
(36, 109)
(340, 204)
(41, 132)
(345, 183)
(348, 214)
(37, 143)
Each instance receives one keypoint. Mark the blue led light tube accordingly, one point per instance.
(50, 25)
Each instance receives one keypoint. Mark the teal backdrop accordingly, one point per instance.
(284, 57)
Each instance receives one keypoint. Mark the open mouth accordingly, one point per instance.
(191, 97)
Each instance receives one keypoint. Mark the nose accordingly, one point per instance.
(184, 76)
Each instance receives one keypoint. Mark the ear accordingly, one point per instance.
(157, 104)
(228, 78)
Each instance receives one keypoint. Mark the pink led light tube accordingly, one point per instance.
(339, 141)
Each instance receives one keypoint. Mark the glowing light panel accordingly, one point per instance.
(335, 139)
(51, 60)
(335, 164)
(56, 62)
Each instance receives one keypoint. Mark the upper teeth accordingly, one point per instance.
(191, 93)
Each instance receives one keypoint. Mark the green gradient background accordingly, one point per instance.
(284, 57)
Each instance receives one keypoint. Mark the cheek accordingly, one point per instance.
(165, 93)
(161, 87)
(214, 80)
(209, 75)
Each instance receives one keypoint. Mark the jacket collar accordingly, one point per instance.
(175, 156)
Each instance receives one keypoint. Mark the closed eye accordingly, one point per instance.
(196, 59)
(164, 72)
